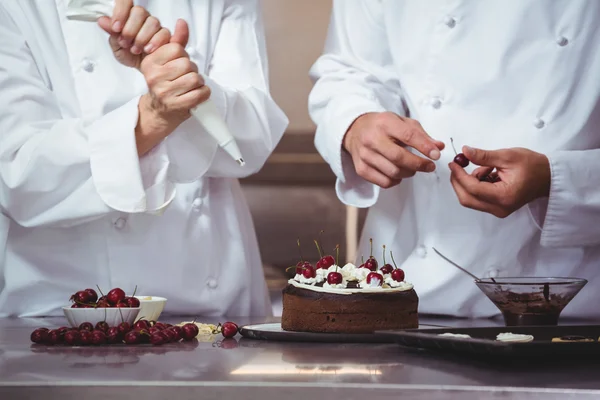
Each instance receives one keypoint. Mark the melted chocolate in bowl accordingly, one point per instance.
(531, 301)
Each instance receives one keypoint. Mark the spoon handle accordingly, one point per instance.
(455, 264)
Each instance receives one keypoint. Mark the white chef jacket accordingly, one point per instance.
(80, 207)
(491, 74)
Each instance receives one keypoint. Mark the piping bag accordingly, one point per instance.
(206, 113)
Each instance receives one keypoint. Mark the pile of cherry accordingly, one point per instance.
(374, 277)
(88, 298)
(142, 332)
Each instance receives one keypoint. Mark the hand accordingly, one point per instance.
(522, 176)
(133, 33)
(376, 142)
(174, 88)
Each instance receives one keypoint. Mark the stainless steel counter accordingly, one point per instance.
(251, 369)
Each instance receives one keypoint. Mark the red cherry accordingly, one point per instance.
(132, 302)
(115, 296)
(102, 326)
(124, 327)
(86, 326)
(334, 278)
(39, 336)
(141, 324)
(171, 334)
(122, 304)
(387, 269)
(461, 160)
(169, 325)
(72, 338)
(229, 329)
(103, 303)
(132, 337)
(98, 337)
(325, 262)
(85, 337)
(371, 264)
(309, 272)
(301, 265)
(160, 326)
(178, 331)
(113, 335)
(93, 295)
(189, 331)
(374, 279)
(81, 297)
(398, 275)
(158, 338)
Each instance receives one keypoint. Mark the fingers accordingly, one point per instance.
(150, 27)
(373, 175)
(181, 34)
(179, 67)
(484, 191)
(488, 158)
(385, 166)
(186, 83)
(162, 37)
(469, 201)
(481, 172)
(120, 14)
(194, 97)
(106, 24)
(411, 133)
(167, 53)
(401, 157)
(137, 17)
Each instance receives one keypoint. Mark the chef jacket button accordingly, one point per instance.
(120, 223)
(197, 202)
(562, 41)
(421, 251)
(539, 123)
(436, 102)
(87, 65)
(450, 22)
(212, 283)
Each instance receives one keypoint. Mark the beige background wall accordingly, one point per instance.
(296, 31)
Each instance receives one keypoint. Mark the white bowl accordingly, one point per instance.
(151, 307)
(112, 316)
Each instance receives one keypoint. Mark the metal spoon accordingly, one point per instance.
(458, 266)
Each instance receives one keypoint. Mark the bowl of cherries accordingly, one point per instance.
(113, 308)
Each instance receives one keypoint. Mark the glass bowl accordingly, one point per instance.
(531, 300)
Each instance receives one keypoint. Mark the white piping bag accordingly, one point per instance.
(206, 113)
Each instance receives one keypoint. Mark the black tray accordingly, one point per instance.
(275, 333)
(483, 343)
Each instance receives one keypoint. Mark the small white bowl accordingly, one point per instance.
(112, 316)
(151, 307)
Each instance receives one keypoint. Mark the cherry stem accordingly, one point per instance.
(371, 242)
(134, 290)
(337, 257)
(362, 259)
(392, 255)
(453, 148)
(319, 238)
(319, 249)
(299, 250)
(384, 254)
(122, 319)
(100, 290)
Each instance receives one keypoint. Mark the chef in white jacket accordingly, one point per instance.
(88, 197)
(518, 82)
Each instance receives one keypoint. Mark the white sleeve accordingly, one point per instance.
(568, 218)
(353, 76)
(238, 79)
(57, 171)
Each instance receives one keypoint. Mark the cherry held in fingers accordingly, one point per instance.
(460, 158)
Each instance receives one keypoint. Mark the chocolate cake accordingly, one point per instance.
(307, 309)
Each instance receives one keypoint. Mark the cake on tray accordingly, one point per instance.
(328, 298)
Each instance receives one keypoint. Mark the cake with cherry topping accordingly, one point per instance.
(328, 298)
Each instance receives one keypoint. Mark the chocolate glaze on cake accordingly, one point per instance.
(306, 310)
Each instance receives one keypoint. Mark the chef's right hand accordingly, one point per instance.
(377, 143)
(174, 88)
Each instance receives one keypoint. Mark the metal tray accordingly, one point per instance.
(483, 343)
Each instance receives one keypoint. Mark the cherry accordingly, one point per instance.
(76, 305)
(93, 295)
(115, 296)
(39, 335)
(122, 304)
(132, 302)
(189, 331)
(160, 326)
(374, 279)
(81, 297)
(102, 326)
(141, 324)
(113, 335)
(153, 330)
(144, 335)
(371, 262)
(178, 331)
(86, 326)
(309, 272)
(158, 338)
(459, 158)
(229, 329)
(334, 278)
(132, 337)
(103, 303)
(124, 327)
(325, 261)
(387, 268)
(72, 338)
(62, 330)
(168, 326)
(85, 337)
(98, 337)
(54, 337)
(397, 274)
(171, 334)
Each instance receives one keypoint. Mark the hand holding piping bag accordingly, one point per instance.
(92, 10)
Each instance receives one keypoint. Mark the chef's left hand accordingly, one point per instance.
(524, 176)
